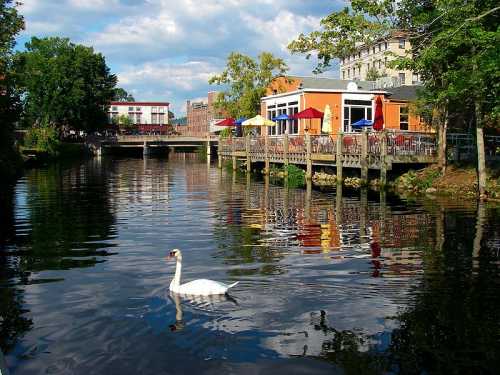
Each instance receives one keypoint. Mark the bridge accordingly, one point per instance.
(148, 142)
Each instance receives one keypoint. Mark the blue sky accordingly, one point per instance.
(167, 49)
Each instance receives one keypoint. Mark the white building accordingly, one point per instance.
(376, 57)
(141, 113)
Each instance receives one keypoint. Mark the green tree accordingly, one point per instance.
(66, 85)
(10, 24)
(121, 95)
(373, 74)
(125, 123)
(246, 81)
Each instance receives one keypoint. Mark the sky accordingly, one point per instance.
(166, 50)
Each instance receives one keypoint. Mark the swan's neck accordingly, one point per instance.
(177, 277)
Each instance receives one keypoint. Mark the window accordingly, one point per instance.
(161, 118)
(403, 118)
(385, 46)
(153, 110)
(161, 109)
(138, 109)
(380, 47)
(402, 78)
(402, 43)
(114, 109)
(343, 74)
(154, 118)
(414, 79)
(137, 118)
(131, 109)
(293, 125)
(131, 117)
(349, 73)
(373, 49)
(355, 110)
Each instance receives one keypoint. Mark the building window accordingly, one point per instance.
(349, 73)
(293, 125)
(355, 110)
(385, 46)
(161, 109)
(415, 79)
(380, 47)
(137, 118)
(373, 49)
(137, 109)
(402, 43)
(161, 118)
(154, 118)
(343, 74)
(403, 118)
(114, 109)
(131, 109)
(153, 110)
(402, 78)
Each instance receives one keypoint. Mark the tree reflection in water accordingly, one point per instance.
(58, 222)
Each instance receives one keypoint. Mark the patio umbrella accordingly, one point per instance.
(226, 122)
(378, 124)
(258, 121)
(283, 116)
(308, 113)
(327, 120)
(362, 123)
(240, 120)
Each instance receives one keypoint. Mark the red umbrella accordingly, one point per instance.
(378, 124)
(309, 113)
(226, 122)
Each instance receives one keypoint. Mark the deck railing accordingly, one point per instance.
(323, 144)
(411, 144)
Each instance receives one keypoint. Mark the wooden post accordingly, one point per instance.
(339, 159)
(233, 153)
(308, 157)
(285, 153)
(266, 156)
(145, 149)
(208, 145)
(383, 159)
(364, 156)
(219, 153)
(247, 149)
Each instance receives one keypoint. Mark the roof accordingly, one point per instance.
(407, 93)
(330, 83)
(166, 104)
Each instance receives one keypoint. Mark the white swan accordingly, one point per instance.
(200, 287)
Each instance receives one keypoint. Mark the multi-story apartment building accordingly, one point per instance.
(200, 115)
(141, 113)
(377, 56)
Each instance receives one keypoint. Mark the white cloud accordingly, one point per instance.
(160, 47)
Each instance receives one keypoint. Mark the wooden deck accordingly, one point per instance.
(379, 150)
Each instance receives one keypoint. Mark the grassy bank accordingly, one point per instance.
(457, 181)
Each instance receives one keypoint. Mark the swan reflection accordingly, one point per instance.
(203, 303)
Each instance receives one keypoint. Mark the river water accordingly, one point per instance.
(355, 283)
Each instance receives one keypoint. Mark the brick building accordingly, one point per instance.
(200, 115)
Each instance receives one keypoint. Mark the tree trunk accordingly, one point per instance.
(481, 163)
(442, 130)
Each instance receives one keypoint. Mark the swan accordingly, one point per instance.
(200, 287)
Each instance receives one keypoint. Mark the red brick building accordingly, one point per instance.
(200, 115)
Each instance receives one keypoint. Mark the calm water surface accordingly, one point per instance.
(354, 284)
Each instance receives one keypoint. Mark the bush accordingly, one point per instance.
(43, 139)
